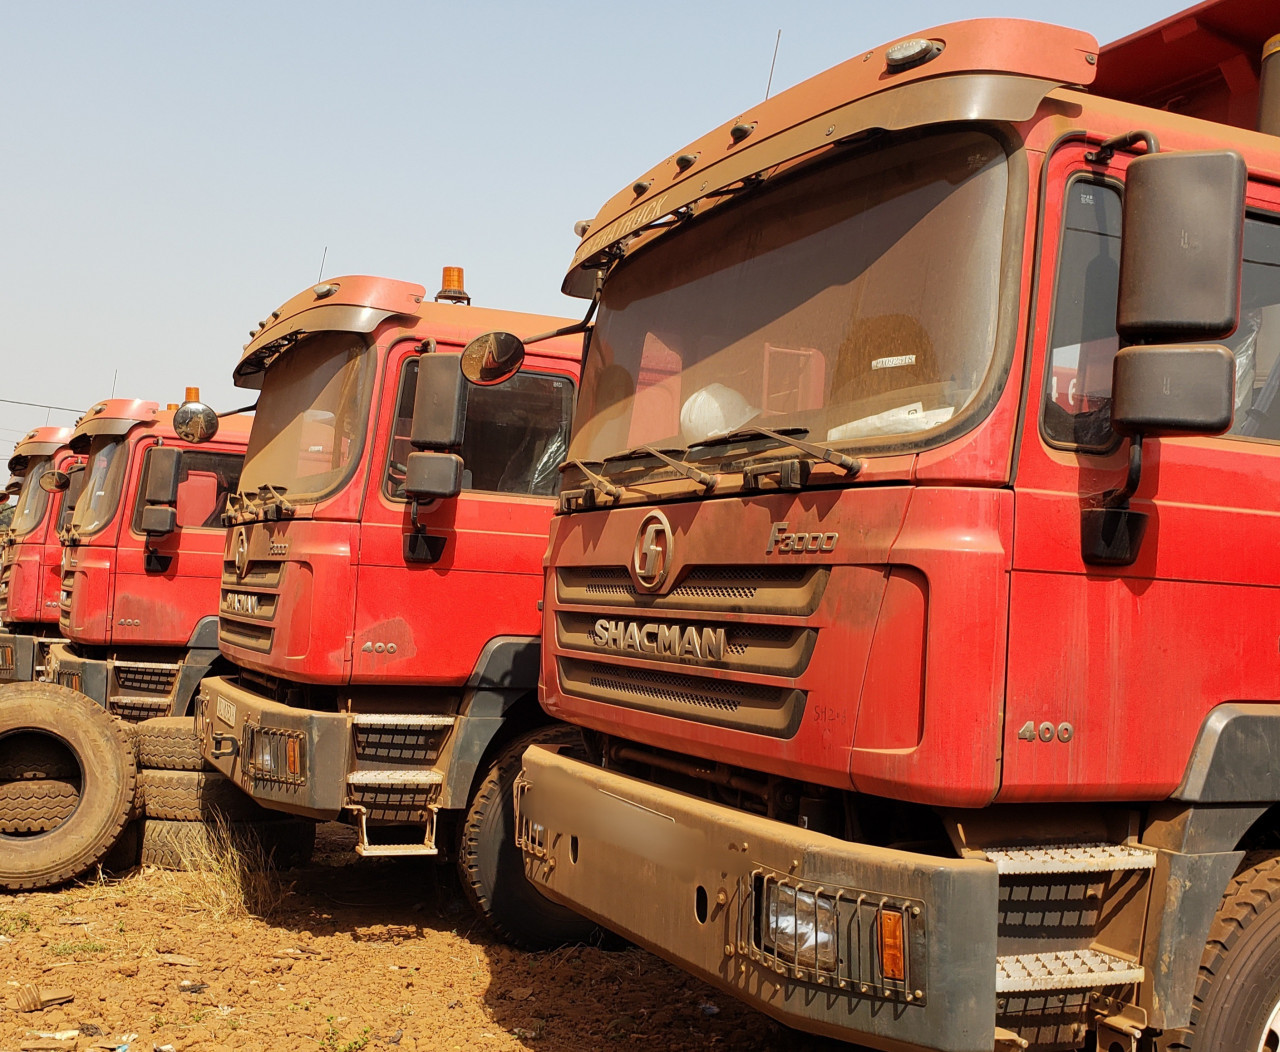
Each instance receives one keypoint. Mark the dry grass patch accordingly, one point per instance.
(225, 875)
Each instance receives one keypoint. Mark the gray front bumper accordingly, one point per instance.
(687, 879)
(288, 759)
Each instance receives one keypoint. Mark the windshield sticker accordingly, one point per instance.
(893, 363)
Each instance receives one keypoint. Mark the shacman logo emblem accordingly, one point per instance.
(651, 559)
(242, 552)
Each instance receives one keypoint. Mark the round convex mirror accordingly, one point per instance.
(195, 422)
(492, 358)
(55, 481)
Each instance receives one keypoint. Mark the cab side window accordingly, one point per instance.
(1082, 341)
(514, 435)
(1076, 411)
(204, 482)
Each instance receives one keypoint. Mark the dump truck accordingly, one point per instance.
(31, 563)
(142, 558)
(381, 580)
(912, 575)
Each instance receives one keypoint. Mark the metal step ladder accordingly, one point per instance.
(388, 778)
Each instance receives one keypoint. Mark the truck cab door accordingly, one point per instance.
(168, 582)
(477, 571)
(1112, 669)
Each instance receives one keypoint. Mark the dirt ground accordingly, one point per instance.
(356, 953)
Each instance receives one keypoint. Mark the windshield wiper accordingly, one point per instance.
(707, 482)
(598, 484)
(267, 505)
(788, 436)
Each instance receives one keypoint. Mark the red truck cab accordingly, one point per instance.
(142, 559)
(385, 638)
(31, 565)
(913, 577)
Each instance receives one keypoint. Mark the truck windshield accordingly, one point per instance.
(310, 422)
(103, 480)
(32, 500)
(856, 302)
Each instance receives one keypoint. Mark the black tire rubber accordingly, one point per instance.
(1239, 983)
(177, 845)
(490, 863)
(193, 796)
(107, 779)
(169, 743)
(126, 852)
(34, 756)
(36, 805)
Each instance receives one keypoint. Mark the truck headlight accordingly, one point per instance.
(800, 927)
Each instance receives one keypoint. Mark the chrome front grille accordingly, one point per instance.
(245, 611)
(757, 707)
(793, 591)
(779, 650)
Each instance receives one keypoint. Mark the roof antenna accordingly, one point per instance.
(115, 375)
(776, 42)
(324, 255)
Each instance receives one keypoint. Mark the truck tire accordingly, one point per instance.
(36, 805)
(169, 743)
(491, 867)
(192, 796)
(106, 779)
(186, 845)
(1237, 997)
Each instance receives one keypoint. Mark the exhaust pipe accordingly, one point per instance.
(1269, 88)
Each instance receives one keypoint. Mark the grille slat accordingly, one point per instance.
(786, 590)
(756, 707)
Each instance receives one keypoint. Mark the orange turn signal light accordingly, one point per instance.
(892, 953)
(291, 757)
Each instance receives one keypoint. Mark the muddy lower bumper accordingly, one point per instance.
(64, 666)
(800, 925)
(289, 759)
(19, 654)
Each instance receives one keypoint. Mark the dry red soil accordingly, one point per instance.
(359, 953)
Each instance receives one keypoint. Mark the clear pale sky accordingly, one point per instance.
(173, 172)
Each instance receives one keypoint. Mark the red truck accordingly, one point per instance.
(381, 580)
(914, 577)
(142, 558)
(31, 564)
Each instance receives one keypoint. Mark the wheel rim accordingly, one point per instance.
(1270, 1041)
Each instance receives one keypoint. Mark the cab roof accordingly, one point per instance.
(39, 442)
(993, 68)
(362, 302)
(119, 416)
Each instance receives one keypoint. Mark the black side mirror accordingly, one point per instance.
(439, 404)
(429, 476)
(492, 358)
(158, 519)
(54, 481)
(164, 463)
(1167, 391)
(1182, 246)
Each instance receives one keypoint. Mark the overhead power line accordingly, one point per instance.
(41, 405)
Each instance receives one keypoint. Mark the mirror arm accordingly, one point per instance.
(1107, 150)
(1119, 498)
(570, 330)
(242, 409)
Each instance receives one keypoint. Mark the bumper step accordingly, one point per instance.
(389, 778)
(1071, 858)
(385, 719)
(1064, 970)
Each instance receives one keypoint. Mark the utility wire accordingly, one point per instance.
(41, 405)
